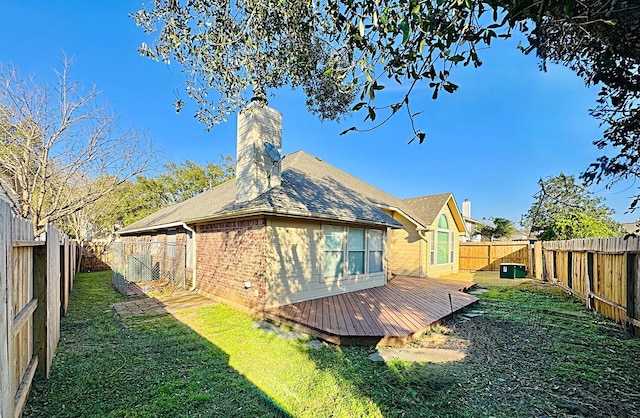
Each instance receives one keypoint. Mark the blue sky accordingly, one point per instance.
(508, 125)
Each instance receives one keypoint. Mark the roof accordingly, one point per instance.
(427, 208)
(310, 188)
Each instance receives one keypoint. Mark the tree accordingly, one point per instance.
(502, 227)
(563, 209)
(343, 52)
(143, 196)
(185, 180)
(60, 148)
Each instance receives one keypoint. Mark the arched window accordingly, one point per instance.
(442, 243)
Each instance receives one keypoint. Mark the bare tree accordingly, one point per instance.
(60, 147)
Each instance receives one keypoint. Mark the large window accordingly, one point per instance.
(352, 251)
(442, 243)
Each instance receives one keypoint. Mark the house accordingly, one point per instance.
(472, 225)
(297, 228)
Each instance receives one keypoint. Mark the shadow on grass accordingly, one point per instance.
(149, 368)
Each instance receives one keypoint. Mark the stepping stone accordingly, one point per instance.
(471, 315)
(418, 355)
(269, 328)
(478, 291)
(316, 344)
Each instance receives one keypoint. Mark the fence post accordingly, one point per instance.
(589, 280)
(631, 292)
(40, 314)
(570, 269)
(538, 263)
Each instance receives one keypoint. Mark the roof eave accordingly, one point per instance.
(150, 228)
(413, 220)
(286, 214)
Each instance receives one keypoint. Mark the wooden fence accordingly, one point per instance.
(603, 272)
(489, 255)
(36, 277)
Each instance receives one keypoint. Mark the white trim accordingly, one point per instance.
(345, 254)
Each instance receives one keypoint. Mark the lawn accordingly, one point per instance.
(535, 352)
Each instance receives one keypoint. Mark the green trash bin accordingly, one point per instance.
(513, 271)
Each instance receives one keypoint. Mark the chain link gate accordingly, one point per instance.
(149, 265)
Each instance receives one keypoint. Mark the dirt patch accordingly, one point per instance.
(539, 358)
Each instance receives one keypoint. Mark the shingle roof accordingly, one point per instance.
(310, 188)
(427, 208)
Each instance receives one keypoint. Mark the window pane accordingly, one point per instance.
(451, 248)
(442, 222)
(170, 250)
(356, 262)
(443, 247)
(375, 240)
(333, 238)
(375, 261)
(333, 264)
(356, 239)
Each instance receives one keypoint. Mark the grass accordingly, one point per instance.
(535, 352)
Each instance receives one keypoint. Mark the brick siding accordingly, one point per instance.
(230, 254)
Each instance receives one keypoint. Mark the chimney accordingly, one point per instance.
(466, 208)
(256, 170)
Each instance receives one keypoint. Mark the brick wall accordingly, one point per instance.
(230, 254)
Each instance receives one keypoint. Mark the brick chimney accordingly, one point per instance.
(256, 171)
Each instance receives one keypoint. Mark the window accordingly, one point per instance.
(154, 245)
(352, 251)
(442, 243)
(432, 252)
(333, 251)
(356, 249)
(170, 251)
(375, 251)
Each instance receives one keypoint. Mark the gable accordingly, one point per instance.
(427, 209)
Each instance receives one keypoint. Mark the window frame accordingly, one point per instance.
(433, 245)
(346, 272)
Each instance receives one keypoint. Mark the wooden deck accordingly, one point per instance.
(388, 315)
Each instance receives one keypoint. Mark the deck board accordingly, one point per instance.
(404, 307)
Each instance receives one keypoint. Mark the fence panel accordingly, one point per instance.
(489, 255)
(17, 306)
(30, 299)
(6, 317)
(149, 265)
(602, 271)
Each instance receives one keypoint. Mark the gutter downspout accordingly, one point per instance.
(193, 255)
